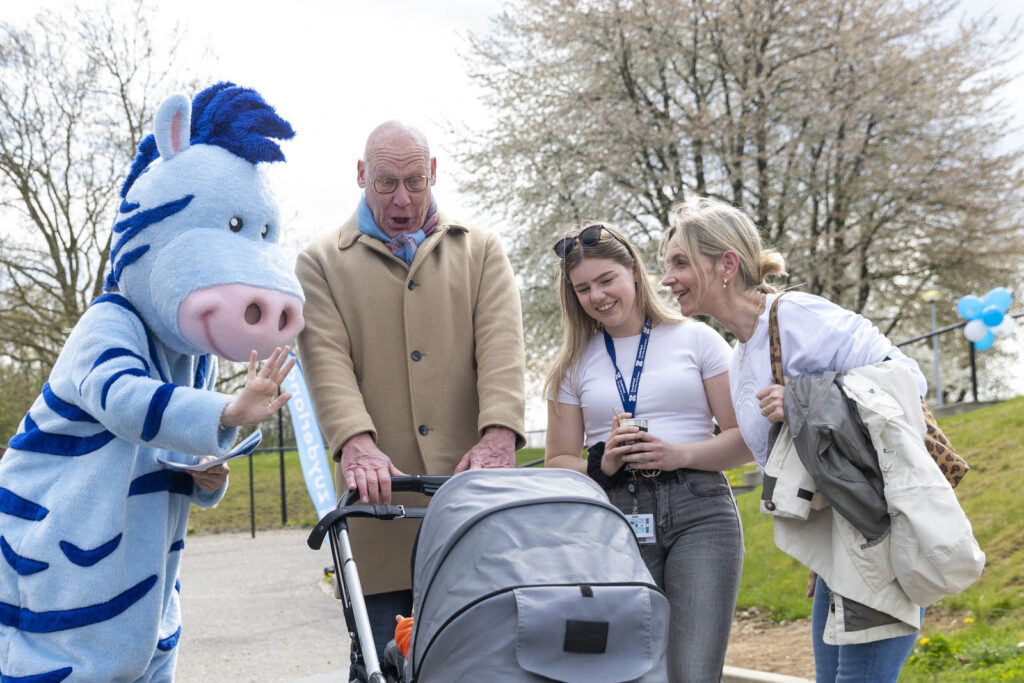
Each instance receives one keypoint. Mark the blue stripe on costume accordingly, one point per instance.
(25, 619)
(68, 411)
(169, 642)
(35, 439)
(22, 565)
(118, 352)
(127, 206)
(55, 676)
(87, 558)
(154, 357)
(133, 225)
(155, 414)
(126, 260)
(177, 545)
(161, 480)
(134, 372)
(13, 504)
(202, 368)
(119, 300)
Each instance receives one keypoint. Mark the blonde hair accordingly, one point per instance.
(577, 326)
(702, 225)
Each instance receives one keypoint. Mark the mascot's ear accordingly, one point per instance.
(173, 126)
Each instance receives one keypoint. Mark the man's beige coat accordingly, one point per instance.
(422, 357)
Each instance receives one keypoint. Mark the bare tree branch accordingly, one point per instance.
(862, 136)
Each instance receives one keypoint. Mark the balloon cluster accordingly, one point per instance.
(987, 317)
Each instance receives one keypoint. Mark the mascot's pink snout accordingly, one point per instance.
(232, 320)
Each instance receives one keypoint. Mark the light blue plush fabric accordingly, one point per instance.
(92, 527)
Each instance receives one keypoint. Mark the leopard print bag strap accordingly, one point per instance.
(953, 466)
(775, 343)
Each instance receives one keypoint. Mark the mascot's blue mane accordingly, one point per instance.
(237, 119)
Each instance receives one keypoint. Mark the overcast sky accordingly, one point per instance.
(337, 68)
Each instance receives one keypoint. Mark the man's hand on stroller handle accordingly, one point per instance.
(496, 448)
(368, 469)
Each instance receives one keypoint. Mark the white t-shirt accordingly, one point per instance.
(816, 335)
(680, 356)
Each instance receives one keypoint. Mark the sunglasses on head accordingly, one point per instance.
(588, 237)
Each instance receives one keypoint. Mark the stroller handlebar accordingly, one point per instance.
(425, 484)
(420, 483)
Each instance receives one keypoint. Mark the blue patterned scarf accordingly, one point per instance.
(402, 246)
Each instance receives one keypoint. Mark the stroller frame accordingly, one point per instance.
(334, 526)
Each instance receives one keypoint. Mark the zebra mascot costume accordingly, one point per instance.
(92, 525)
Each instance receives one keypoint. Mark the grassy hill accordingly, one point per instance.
(983, 636)
(977, 635)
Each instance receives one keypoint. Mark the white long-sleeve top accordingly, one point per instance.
(816, 335)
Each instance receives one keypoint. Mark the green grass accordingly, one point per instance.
(233, 511)
(528, 455)
(976, 634)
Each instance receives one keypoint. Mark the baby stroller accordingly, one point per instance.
(518, 575)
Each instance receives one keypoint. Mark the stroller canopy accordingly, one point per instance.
(524, 574)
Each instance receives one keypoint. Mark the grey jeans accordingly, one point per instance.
(697, 559)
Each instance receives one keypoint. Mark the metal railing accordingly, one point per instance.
(970, 348)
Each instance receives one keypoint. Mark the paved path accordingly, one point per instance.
(257, 609)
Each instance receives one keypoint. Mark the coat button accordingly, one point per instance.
(412, 285)
(423, 430)
(416, 355)
(769, 506)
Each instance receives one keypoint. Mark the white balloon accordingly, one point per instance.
(1005, 328)
(975, 330)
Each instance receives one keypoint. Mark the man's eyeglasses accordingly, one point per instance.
(588, 237)
(413, 183)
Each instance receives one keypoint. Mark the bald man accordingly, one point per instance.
(413, 351)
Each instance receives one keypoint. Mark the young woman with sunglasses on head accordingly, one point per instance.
(627, 354)
(716, 265)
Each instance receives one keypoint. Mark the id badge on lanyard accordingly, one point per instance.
(642, 524)
(643, 528)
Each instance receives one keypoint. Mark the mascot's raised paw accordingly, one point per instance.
(91, 525)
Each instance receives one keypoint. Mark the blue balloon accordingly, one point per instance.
(991, 316)
(1000, 297)
(969, 307)
(985, 342)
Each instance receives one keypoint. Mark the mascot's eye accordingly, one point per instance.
(266, 229)
(235, 224)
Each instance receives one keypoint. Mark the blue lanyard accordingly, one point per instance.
(629, 399)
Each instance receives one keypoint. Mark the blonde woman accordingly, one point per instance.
(716, 265)
(626, 353)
